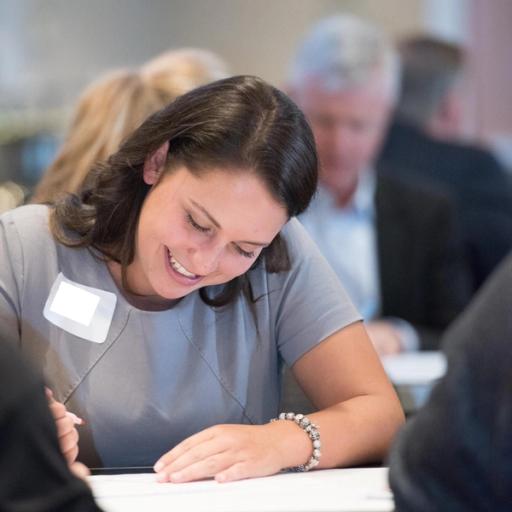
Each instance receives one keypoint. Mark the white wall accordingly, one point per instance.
(49, 49)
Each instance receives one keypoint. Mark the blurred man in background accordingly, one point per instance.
(423, 147)
(395, 248)
(431, 87)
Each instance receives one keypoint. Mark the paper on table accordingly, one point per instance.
(414, 368)
(357, 490)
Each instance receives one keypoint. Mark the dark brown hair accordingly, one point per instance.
(240, 124)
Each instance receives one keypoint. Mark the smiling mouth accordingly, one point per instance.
(178, 267)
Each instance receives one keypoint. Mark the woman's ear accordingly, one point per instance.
(155, 163)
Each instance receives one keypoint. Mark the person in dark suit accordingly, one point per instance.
(419, 253)
(34, 473)
(395, 248)
(456, 453)
(421, 147)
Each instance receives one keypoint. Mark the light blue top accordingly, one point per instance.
(162, 376)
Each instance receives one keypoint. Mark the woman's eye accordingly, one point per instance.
(202, 229)
(195, 225)
(245, 253)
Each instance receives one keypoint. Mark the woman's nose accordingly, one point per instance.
(206, 259)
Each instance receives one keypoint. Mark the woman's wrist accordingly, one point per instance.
(299, 443)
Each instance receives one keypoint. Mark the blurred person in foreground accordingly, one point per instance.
(423, 146)
(114, 105)
(34, 474)
(396, 248)
(456, 453)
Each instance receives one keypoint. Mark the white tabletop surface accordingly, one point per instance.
(414, 374)
(415, 368)
(343, 490)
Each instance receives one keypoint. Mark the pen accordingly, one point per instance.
(76, 420)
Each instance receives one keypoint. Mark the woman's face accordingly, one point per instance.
(200, 231)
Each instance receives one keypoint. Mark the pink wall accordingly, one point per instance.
(490, 46)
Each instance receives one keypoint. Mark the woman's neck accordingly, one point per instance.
(144, 302)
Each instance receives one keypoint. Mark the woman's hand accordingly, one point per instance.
(80, 470)
(66, 431)
(229, 452)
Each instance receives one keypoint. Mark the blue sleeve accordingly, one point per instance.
(309, 302)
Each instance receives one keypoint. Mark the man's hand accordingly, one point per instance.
(384, 336)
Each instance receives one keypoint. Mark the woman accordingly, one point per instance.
(163, 299)
(106, 113)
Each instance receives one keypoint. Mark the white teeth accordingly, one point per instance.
(176, 265)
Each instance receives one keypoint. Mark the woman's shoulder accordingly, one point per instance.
(294, 234)
(28, 217)
(299, 244)
(29, 224)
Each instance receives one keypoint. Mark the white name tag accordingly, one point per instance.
(75, 303)
(81, 310)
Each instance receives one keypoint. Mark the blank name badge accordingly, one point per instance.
(81, 310)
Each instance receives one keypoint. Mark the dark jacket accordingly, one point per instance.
(481, 188)
(33, 472)
(424, 275)
(456, 453)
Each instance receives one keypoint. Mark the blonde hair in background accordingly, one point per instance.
(11, 195)
(117, 103)
(176, 72)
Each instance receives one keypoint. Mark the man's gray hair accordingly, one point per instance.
(345, 51)
(431, 68)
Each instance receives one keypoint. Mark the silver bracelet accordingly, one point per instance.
(312, 431)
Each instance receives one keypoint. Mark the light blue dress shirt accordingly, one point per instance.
(347, 238)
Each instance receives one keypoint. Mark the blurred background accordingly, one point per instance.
(51, 49)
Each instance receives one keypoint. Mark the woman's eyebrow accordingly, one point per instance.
(259, 244)
(214, 222)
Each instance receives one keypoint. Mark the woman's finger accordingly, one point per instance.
(58, 409)
(195, 454)
(183, 447)
(238, 471)
(69, 440)
(80, 470)
(204, 468)
(71, 454)
(65, 426)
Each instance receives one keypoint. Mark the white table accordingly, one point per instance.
(414, 374)
(341, 490)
